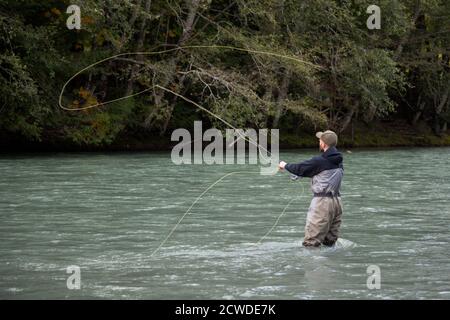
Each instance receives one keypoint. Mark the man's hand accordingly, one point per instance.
(282, 165)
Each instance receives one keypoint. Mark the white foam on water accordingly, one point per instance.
(253, 250)
(344, 244)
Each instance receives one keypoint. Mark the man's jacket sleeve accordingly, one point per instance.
(306, 168)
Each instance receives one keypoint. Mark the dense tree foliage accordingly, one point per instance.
(326, 68)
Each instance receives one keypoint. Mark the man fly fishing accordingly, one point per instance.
(324, 215)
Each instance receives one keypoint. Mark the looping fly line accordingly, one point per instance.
(170, 91)
(162, 52)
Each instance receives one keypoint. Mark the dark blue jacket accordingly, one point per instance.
(330, 159)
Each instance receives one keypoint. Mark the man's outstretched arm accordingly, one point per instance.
(306, 168)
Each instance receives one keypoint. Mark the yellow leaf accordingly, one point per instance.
(87, 20)
(55, 11)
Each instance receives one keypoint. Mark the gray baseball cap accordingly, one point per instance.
(329, 137)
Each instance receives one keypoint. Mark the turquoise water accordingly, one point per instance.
(107, 214)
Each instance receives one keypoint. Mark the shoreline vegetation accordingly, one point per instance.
(375, 135)
(134, 71)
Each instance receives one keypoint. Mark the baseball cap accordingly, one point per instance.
(329, 137)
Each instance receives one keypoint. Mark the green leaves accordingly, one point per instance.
(308, 63)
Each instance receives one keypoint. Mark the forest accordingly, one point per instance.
(299, 66)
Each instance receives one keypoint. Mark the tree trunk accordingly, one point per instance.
(416, 118)
(436, 125)
(439, 108)
(133, 18)
(188, 24)
(418, 113)
(404, 40)
(443, 101)
(284, 87)
(139, 46)
(188, 27)
(348, 118)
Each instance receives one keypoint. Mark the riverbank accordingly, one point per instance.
(374, 135)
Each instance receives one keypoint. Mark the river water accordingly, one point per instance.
(108, 213)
